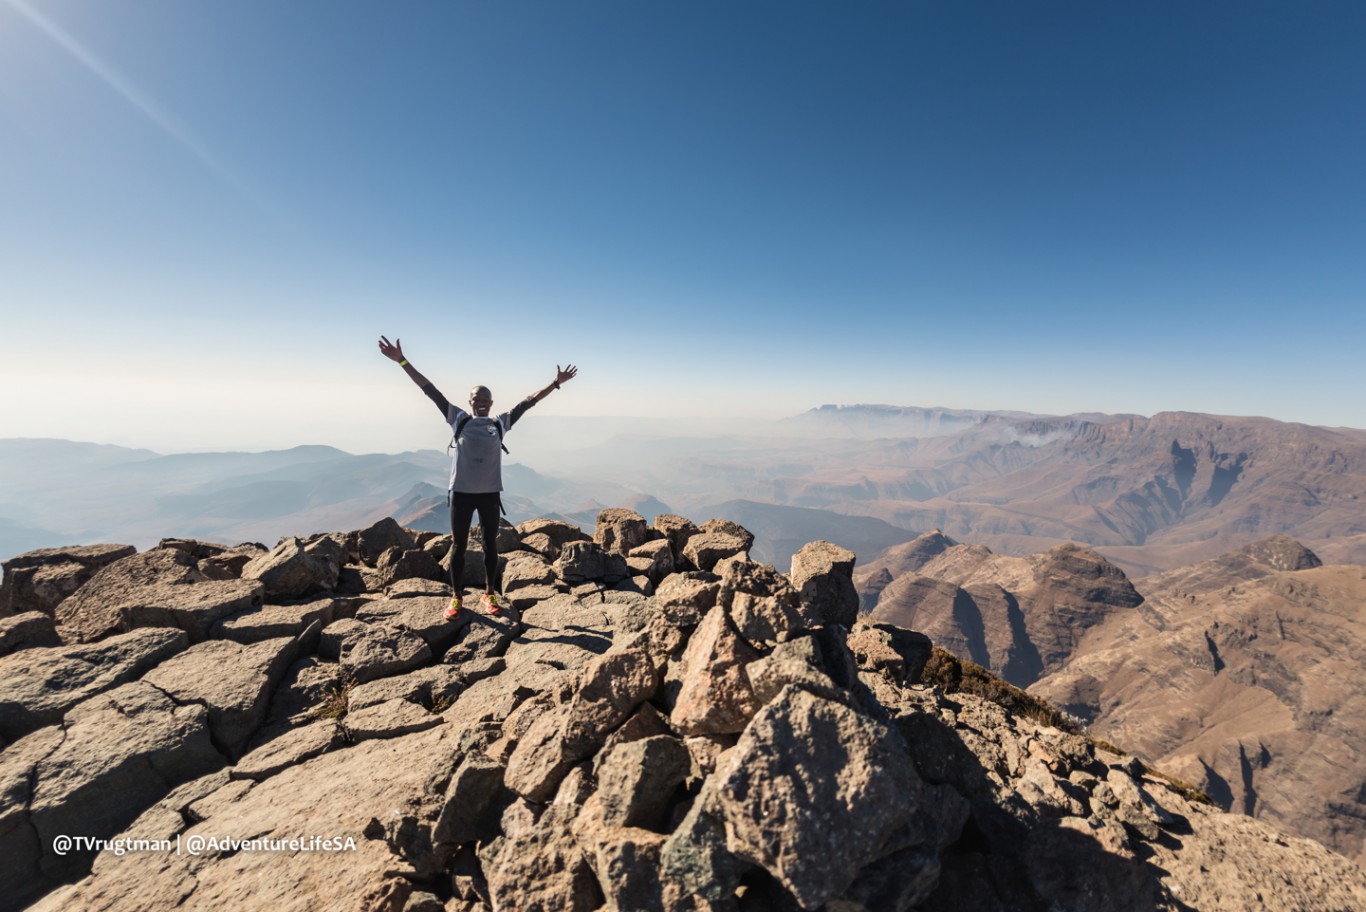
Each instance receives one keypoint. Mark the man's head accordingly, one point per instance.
(481, 400)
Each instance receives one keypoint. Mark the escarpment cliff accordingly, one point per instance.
(655, 722)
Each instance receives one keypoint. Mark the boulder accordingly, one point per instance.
(685, 600)
(845, 783)
(676, 530)
(423, 616)
(763, 605)
(892, 651)
(823, 575)
(292, 570)
(40, 580)
(706, 549)
(548, 536)
(542, 868)
(579, 561)
(373, 541)
(726, 527)
(619, 530)
(658, 559)
(507, 540)
(637, 779)
(39, 686)
(397, 564)
(715, 696)
(26, 630)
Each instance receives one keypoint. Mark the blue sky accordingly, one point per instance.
(211, 210)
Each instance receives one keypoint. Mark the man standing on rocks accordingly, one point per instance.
(476, 469)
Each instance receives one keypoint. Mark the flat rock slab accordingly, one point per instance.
(390, 720)
(376, 651)
(334, 795)
(123, 751)
(234, 682)
(423, 615)
(413, 588)
(271, 621)
(434, 685)
(288, 750)
(38, 686)
(94, 611)
(194, 608)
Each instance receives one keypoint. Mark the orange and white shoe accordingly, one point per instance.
(492, 603)
(453, 609)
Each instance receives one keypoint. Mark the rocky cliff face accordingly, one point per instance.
(656, 722)
(1239, 674)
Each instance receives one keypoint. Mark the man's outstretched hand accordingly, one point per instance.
(563, 374)
(393, 351)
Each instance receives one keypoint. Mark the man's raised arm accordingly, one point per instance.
(394, 352)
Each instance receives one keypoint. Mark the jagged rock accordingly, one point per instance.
(548, 536)
(796, 662)
(122, 751)
(481, 638)
(823, 575)
(726, 527)
(676, 531)
(337, 633)
(94, 611)
(38, 686)
(390, 720)
(716, 695)
(636, 781)
(685, 600)
(618, 530)
(695, 854)
(471, 804)
(292, 570)
(372, 542)
(763, 605)
(234, 682)
(194, 609)
(527, 569)
(846, 783)
(542, 869)
(40, 580)
(27, 630)
(609, 688)
(706, 549)
(658, 559)
(396, 564)
(898, 653)
(290, 749)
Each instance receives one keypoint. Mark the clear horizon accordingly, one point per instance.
(715, 211)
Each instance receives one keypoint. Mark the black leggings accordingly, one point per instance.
(463, 507)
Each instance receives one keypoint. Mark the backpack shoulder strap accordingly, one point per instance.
(460, 426)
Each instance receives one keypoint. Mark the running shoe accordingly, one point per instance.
(492, 603)
(453, 608)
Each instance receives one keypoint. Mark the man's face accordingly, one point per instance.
(481, 400)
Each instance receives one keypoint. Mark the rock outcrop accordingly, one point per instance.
(724, 738)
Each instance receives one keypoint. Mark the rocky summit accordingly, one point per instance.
(656, 722)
